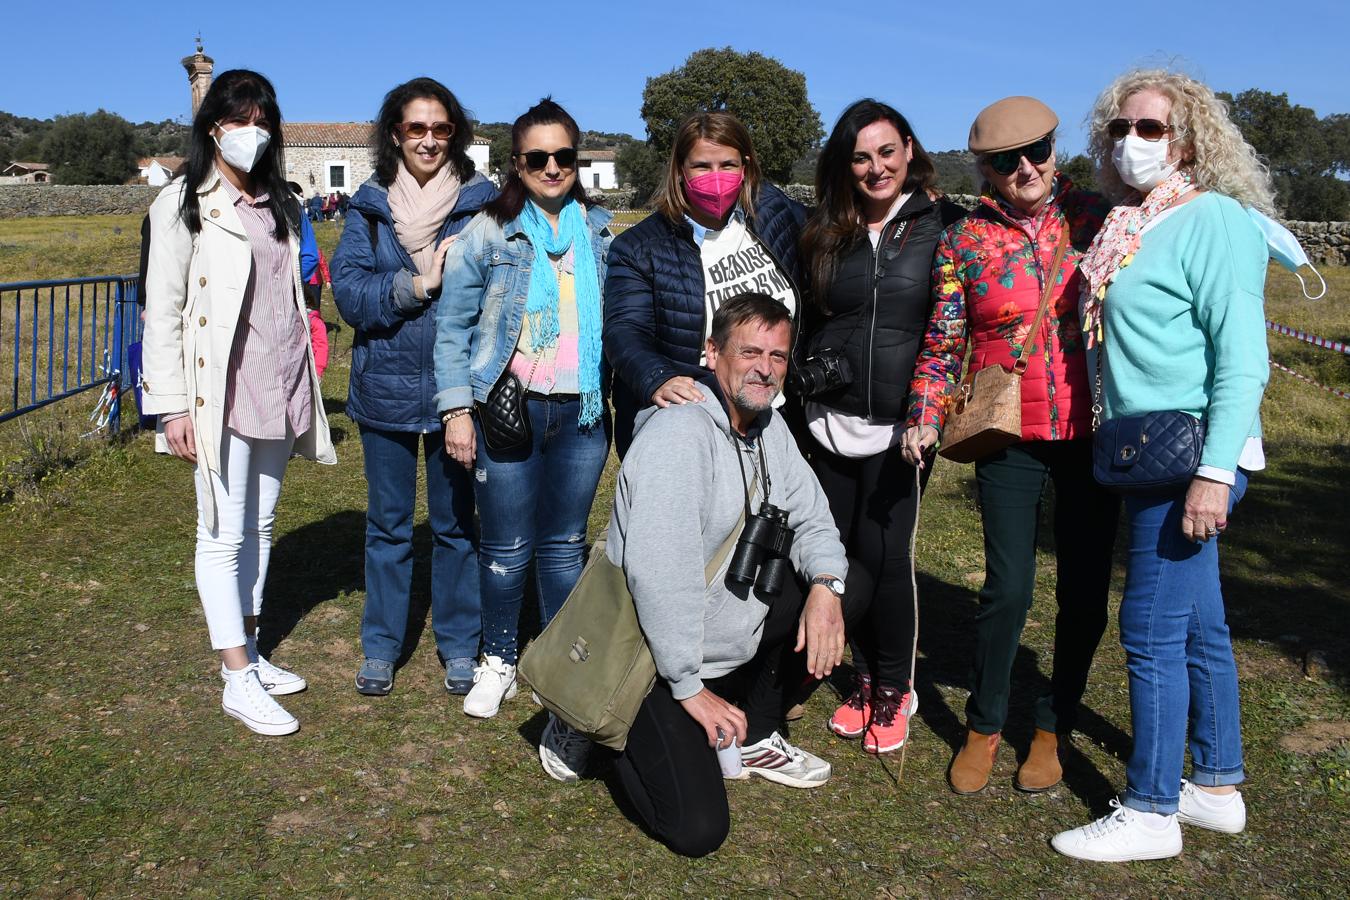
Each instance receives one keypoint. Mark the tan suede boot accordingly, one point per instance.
(973, 763)
(1041, 770)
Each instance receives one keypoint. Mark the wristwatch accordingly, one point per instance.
(835, 585)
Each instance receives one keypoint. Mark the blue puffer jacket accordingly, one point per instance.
(655, 306)
(393, 383)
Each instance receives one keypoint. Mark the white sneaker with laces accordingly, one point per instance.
(276, 680)
(247, 700)
(1217, 812)
(563, 750)
(777, 760)
(493, 682)
(1120, 836)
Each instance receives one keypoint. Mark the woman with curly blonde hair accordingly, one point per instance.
(1172, 296)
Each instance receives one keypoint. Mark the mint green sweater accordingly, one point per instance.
(1185, 325)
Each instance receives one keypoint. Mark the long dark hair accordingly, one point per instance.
(238, 92)
(512, 199)
(836, 221)
(387, 154)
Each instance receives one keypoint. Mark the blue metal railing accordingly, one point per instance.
(61, 338)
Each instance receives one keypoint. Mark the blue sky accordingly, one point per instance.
(939, 63)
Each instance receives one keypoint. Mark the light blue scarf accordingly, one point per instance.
(541, 304)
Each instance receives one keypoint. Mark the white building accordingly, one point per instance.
(158, 171)
(335, 156)
(595, 169)
(478, 152)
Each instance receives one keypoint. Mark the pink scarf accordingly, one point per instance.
(420, 211)
(1115, 245)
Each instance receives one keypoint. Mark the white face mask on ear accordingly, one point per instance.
(1286, 250)
(1142, 164)
(242, 147)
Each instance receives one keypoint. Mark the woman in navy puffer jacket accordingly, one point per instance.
(719, 230)
(387, 278)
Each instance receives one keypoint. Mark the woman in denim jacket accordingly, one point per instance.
(522, 297)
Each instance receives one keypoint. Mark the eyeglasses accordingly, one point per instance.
(538, 159)
(1148, 129)
(1005, 162)
(415, 131)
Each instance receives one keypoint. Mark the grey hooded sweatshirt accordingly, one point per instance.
(679, 495)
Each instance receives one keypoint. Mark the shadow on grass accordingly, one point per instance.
(311, 565)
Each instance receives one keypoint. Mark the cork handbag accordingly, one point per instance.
(987, 414)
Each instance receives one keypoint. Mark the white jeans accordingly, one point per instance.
(232, 559)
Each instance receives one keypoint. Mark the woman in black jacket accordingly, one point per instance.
(719, 230)
(869, 247)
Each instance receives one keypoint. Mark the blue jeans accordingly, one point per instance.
(532, 505)
(1179, 656)
(391, 492)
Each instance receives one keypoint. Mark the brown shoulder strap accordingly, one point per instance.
(1052, 276)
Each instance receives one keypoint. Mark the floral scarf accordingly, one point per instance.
(1115, 245)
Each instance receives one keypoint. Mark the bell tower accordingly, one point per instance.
(199, 68)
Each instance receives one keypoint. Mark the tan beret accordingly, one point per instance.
(1011, 122)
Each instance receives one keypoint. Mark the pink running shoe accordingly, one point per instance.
(850, 718)
(890, 719)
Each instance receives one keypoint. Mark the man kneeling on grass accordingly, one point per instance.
(695, 471)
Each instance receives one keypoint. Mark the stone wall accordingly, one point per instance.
(306, 167)
(19, 201)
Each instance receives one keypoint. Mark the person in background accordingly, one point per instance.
(316, 206)
(310, 258)
(989, 275)
(229, 369)
(719, 230)
(522, 300)
(1175, 282)
(868, 247)
(388, 274)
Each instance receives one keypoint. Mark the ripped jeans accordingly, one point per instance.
(532, 506)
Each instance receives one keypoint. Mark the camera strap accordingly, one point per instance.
(762, 470)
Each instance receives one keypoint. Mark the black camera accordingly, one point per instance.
(761, 556)
(825, 371)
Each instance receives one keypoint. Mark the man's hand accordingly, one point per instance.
(712, 712)
(821, 631)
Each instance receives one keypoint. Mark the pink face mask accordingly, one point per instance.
(714, 193)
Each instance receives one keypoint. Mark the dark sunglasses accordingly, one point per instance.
(415, 131)
(1148, 129)
(1005, 162)
(537, 159)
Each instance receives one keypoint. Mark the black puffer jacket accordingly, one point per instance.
(655, 305)
(878, 304)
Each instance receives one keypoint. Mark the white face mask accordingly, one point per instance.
(1142, 164)
(1286, 250)
(243, 147)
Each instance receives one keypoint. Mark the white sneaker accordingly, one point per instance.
(275, 680)
(1217, 812)
(247, 700)
(1120, 836)
(563, 750)
(493, 682)
(777, 760)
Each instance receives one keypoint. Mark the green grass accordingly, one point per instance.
(122, 777)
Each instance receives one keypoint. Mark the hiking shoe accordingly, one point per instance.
(493, 682)
(777, 760)
(1217, 812)
(1122, 835)
(889, 725)
(459, 674)
(850, 718)
(376, 677)
(563, 750)
(246, 699)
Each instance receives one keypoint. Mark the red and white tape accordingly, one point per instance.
(1325, 343)
(1344, 395)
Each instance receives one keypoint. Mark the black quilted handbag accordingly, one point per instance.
(1153, 453)
(504, 415)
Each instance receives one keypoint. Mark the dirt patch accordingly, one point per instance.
(295, 820)
(1316, 737)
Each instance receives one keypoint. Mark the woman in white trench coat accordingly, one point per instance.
(229, 370)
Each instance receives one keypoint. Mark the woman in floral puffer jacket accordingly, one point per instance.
(988, 276)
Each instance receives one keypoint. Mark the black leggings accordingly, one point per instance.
(874, 504)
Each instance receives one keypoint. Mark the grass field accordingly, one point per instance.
(122, 777)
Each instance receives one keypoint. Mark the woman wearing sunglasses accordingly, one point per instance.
(719, 230)
(388, 275)
(229, 368)
(522, 310)
(1173, 286)
(989, 275)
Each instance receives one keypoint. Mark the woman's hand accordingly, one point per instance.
(431, 280)
(1205, 514)
(916, 442)
(182, 438)
(460, 440)
(714, 713)
(680, 389)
